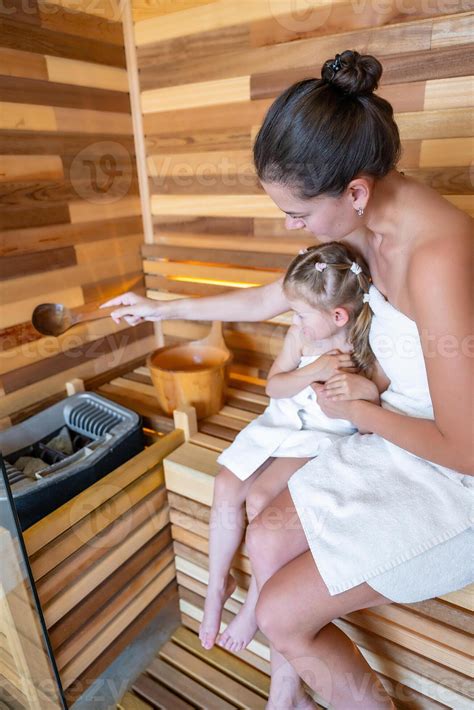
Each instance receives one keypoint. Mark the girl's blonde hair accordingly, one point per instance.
(322, 277)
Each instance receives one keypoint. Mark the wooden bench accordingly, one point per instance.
(422, 652)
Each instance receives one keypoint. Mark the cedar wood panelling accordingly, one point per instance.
(70, 217)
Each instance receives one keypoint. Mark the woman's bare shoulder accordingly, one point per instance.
(435, 220)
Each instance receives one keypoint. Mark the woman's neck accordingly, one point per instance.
(385, 208)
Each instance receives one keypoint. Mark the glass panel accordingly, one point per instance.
(28, 675)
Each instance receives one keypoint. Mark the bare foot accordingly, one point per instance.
(240, 631)
(215, 600)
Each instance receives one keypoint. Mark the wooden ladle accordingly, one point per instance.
(54, 318)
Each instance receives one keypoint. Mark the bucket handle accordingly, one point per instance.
(215, 338)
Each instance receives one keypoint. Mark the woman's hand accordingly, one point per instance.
(346, 386)
(331, 364)
(334, 409)
(135, 309)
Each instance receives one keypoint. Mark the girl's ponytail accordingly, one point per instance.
(358, 336)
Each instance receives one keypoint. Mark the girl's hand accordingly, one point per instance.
(331, 363)
(344, 386)
(135, 308)
(334, 409)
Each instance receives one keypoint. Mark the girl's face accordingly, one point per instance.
(315, 323)
(328, 218)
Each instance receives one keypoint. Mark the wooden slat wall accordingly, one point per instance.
(208, 73)
(70, 216)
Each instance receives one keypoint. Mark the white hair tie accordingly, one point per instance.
(366, 298)
(355, 268)
(320, 265)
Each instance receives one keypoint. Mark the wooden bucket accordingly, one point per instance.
(193, 374)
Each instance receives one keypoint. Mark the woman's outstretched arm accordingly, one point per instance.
(440, 286)
(250, 304)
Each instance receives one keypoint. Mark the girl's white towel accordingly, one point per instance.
(289, 427)
(368, 506)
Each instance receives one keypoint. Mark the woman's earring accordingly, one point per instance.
(360, 211)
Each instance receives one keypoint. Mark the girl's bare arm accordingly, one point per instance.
(286, 379)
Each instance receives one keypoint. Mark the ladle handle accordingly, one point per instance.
(95, 314)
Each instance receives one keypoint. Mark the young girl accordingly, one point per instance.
(327, 289)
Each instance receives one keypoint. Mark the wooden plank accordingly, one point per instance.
(103, 639)
(450, 92)
(143, 10)
(73, 21)
(463, 598)
(30, 38)
(71, 552)
(425, 646)
(188, 688)
(132, 702)
(416, 35)
(235, 165)
(49, 93)
(26, 117)
(215, 206)
(212, 678)
(190, 470)
(446, 152)
(158, 695)
(15, 62)
(105, 10)
(405, 658)
(214, 256)
(41, 143)
(17, 217)
(282, 245)
(336, 18)
(39, 239)
(413, 66)
(451, 123)
(209, 118)
(13, 266)
(79, 73)
(89, 121)
(45, 390)
(207, 93)
(103, 608)
(82, 211)
(219, 658)
(99, 665)
(30, 167)
(63, 603)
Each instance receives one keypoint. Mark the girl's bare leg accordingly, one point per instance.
(268, 485)
(319, 652)
(226, 529)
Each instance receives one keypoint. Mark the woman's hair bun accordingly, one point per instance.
(352, 73)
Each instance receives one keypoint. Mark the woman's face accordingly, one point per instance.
(328, 218)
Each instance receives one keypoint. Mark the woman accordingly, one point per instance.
(327, 155)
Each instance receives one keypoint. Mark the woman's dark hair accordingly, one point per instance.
(319, 134)
(332, 286)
